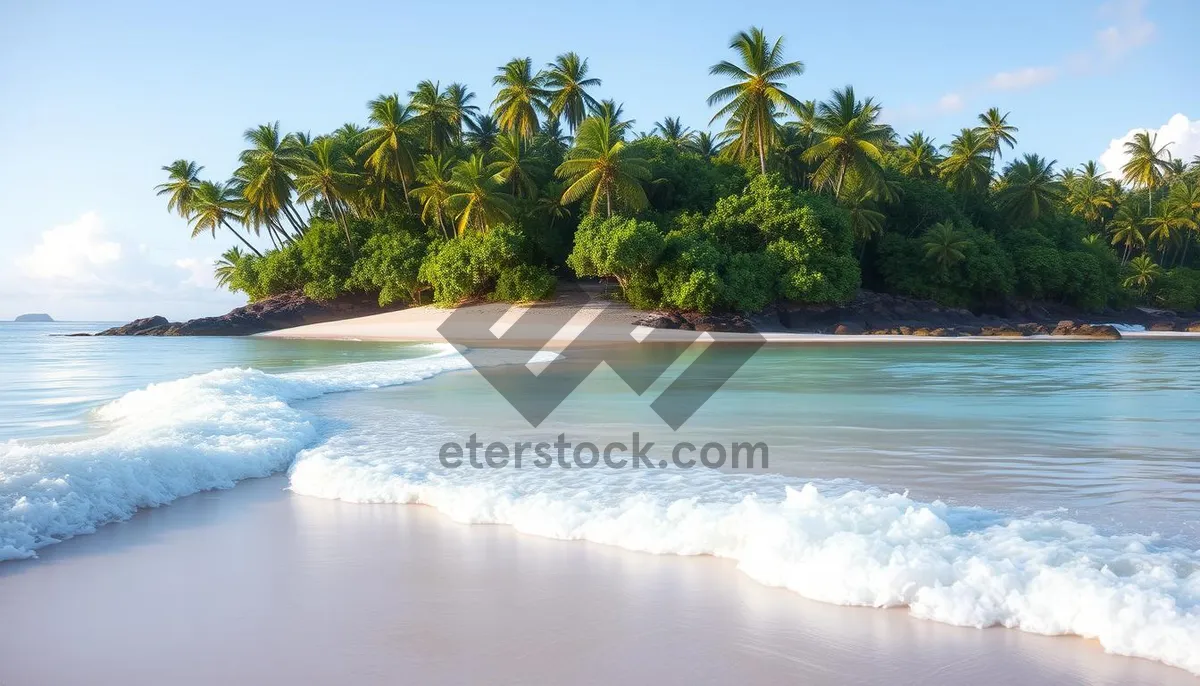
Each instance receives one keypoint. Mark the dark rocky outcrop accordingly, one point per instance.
(1072, 328)
(694, 321)
(871, 313)
(277, 312)
(38, 317)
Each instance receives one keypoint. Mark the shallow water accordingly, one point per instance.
(1049, 487)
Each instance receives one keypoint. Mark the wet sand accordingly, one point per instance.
(259, 585)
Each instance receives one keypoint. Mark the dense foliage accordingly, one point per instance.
(792, 199)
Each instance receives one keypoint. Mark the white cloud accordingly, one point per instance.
(1181, 133)
(199, 272)
(80, 270)
(72, 252)
(1125, 29)
(1022, 78)
(950, 102)
(1130, 28)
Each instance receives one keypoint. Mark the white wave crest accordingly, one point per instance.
(177, 438)
(831, 542)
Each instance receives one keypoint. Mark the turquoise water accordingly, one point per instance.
(1050, 487)
(51, 381)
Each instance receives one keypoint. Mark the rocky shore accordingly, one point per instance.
(868, 314)
(871, 313)
(278, 312)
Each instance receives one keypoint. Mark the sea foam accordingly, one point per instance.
(177, 438)
(836, 542)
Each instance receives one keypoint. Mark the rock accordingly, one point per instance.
(726, 323)
(658, 320)
(1003, 330)
(277, 312)
(848, 329)
(1165, 326)
(1101, 331)
(1194, 327)
(1034, 329)
(137, 327)
(39, 317)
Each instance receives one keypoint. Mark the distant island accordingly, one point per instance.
(36, 317)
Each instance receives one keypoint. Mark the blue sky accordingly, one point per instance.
(95, 99)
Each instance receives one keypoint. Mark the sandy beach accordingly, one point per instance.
(293, 589)
(420, 324)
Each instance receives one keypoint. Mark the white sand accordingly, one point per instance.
(257, 585)
(420, 324)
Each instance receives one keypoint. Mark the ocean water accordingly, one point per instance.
(1051, 488)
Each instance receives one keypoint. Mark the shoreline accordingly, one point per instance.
(420, 325)
(336, 591)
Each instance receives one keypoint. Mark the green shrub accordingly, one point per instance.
(279, 271)
(390, 264)
(470, 266)
(751, 280)
(689, 275)
(524, 283)
(621, 248)
(984, 274)
(1179, 289)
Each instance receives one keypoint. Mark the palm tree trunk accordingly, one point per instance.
(241, 238)
(294, 219)
(340, 218)
(608, 201)
(762, 152)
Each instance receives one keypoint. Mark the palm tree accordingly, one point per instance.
(1143, 273)
(918, 157)
(997, 132)
(673, 131)
(554, 208)
(706, 145)
(1164, 223)
(388, 144)
(865, 220)
(602, 166)
(788, 157)
(462, 112)
(945, 245)
(435, 174)
(1147, 163)
(1088, 196)
(553, 138)
(1030, 189)
(214, 206)
(1127, 229)
(1186, 197)
(477, 200)
(225, 268)
(184, 178)
(567, 81)
(967, 166)
(326, 174)
(758, 92)
(514, 167)
(265, 178)
(437, 117)
(482, 132)
(521, 99)
(850, 141)
(612, 111)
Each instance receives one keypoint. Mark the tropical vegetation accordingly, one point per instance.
(436, 197)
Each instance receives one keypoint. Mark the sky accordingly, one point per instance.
(96, 97)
